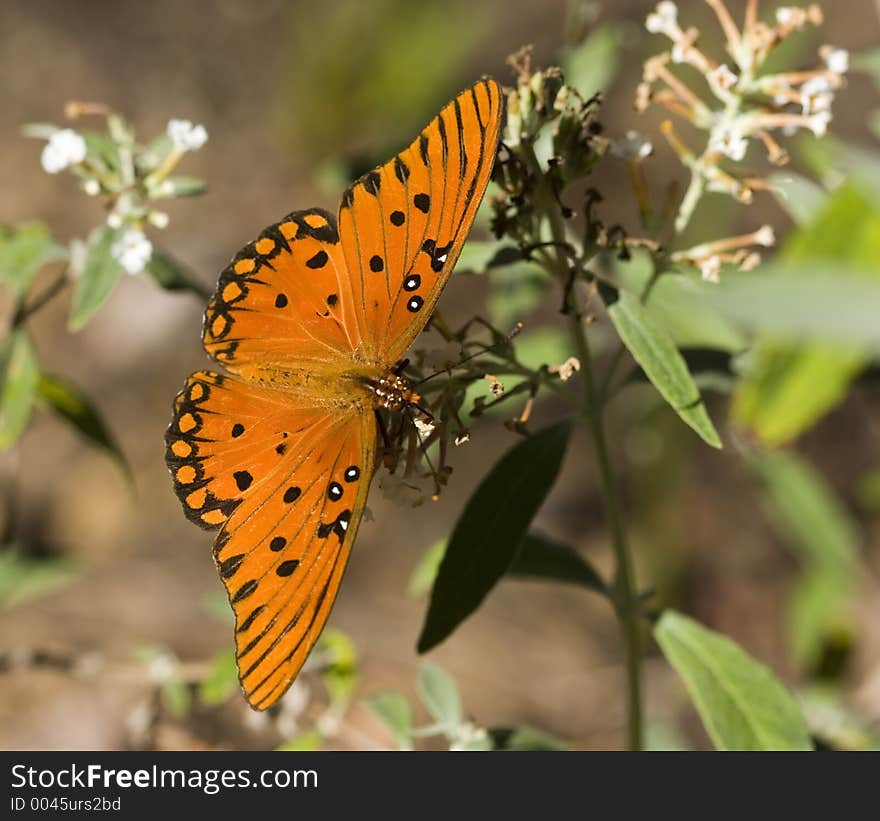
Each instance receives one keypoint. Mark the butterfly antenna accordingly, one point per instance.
(516, 329)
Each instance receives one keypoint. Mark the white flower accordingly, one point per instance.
(158, 218)
(185, 136)
(633, 147)
(765, 236)
(162, 669)
(818, 123)
(816, 95)
(710, 268)
(65, 148)
(730, 141)
(723, 77)
(132, 251)
(837, 59)
(785, 15)
(664, 20)
(92, 187)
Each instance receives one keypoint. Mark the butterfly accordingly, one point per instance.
(309, 321)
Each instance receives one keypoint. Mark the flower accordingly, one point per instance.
(723, 77)
(729, 140)
(132, 251)
(818, 123)
(65, 148)
(710, 268)
(185, 136)
(664, 20)
(837, 59)
(816, 94)
(765, 236)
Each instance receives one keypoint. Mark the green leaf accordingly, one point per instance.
(834, 302)
(742, 705)
(542, 346)
(422, 578)
(23, 251)
(176, 697)
(173, 275)
(656, 353)
(786, 388)
(308, 741)
(100, 273)
(221, 682)
(524, 739)
(71, 405)
(340, 674)
(395, 712)
(806, 510)
(20, 375)
(439, 694)
(592, 65)
(818, 529)
(801, 197)
(543, 558)
(491, 529)
(23, 578)
(180, 187)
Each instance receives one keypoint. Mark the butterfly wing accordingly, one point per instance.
(285, 297)
(402, 226)
(288, 483)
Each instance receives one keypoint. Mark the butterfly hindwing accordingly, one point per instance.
(403, 224)
(284, 296)
(288, 483)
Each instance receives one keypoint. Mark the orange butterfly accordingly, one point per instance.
(310, 320)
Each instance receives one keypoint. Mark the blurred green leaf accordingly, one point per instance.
(542, 346)
(19, 377)
(834, 159)
(180, 187)
(394, 710)
(836, 724)
(23, 578)
(491, 529)
(592, 65)
(25, 249)
(742, 705)
(176, 698)
(786, 388)
(306, 742)
(173, 275)
(524, 739)
(221, 682)
(480, 255)
(340, 674)
(823, 536)
(102, 152)
(801, 197)
(868, 490)
(71, 405)
(543, 558)
(422, 578)
(439, 694)
(677, 303)
(806, 510)
(100, 273)
(816, 301)
(867, 62)
(515, 291)
(656, 353)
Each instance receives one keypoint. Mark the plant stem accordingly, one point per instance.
(26, 310)
(625, 599)
(626, 602)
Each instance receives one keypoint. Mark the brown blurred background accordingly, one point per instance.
(288, 90)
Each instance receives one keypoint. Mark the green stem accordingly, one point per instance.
(626, 597)
(626, 602)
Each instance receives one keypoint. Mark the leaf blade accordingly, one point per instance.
(491, 528)
(100, 274)
(20, 376)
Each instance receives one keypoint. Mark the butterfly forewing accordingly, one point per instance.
(286, 297)
(402, 225)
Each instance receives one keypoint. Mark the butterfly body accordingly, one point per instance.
(309, 321)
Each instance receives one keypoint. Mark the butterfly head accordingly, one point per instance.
(393, 392)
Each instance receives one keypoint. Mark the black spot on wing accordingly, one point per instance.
(372, 182)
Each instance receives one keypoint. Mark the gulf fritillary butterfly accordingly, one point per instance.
(309, 320)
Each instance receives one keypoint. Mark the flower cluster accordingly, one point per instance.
(129, 175)
(747, 107)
